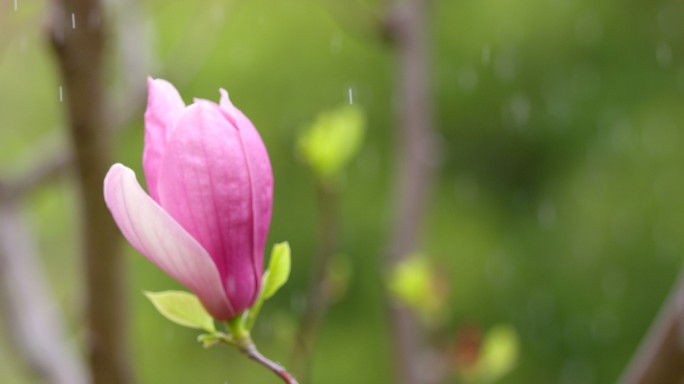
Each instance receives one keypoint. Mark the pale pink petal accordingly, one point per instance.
(261, 174)
(164, 106)
(207, 185)
(163, 241)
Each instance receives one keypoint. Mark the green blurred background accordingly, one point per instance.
(558, 205)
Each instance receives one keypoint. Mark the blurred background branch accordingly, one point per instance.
(660, 357)
(414, 168)
(78, 37)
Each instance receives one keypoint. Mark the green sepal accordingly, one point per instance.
(182, 308)
(211, 339)
(275, 277)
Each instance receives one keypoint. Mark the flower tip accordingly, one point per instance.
(225, 99)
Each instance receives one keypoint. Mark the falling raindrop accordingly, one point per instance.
(664, 54)
(335, 43)
(588, 29)
(218, 14)
(467, 78)
(546, 214)
(614, 283)
(297, 302)
(500, 270)
(230, 285)
(467, 188)
(577, 371)
(73, 21)
(93, 19)
(15, 5)
(605, 327)
(22, 44)
(680, 78)
(586, 80)
(61, 98)
(486, 54)
(351, 96)
(506, 64)
(518, 110)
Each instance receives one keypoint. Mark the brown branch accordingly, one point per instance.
(78, 39)
(29, 307)
(318, 297)
(660, 358)
(407, 31)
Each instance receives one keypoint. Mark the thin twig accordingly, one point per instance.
(318, 298)
(29, 307)
(247, 347)
(252, 352)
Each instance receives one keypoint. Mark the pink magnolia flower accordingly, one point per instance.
(208, 211)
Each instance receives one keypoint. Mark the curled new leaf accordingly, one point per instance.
(278, 270)
(416, 283)
(182, 308)
(333, 140)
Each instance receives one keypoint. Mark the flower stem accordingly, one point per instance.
(251, 352)
(240, 339)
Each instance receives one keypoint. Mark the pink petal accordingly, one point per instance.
(158, 237)
(261, 175)
(164, 106)
(207, 184)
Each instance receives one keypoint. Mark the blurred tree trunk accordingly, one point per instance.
(406, 29)
(78, 38)
(660, 358)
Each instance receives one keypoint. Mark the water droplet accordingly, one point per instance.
(351, 96)
(73, 21)
(61, 97)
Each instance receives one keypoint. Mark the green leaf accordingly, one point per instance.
(410, 282)
(182, 308)
(333, 140)
(500, 351)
